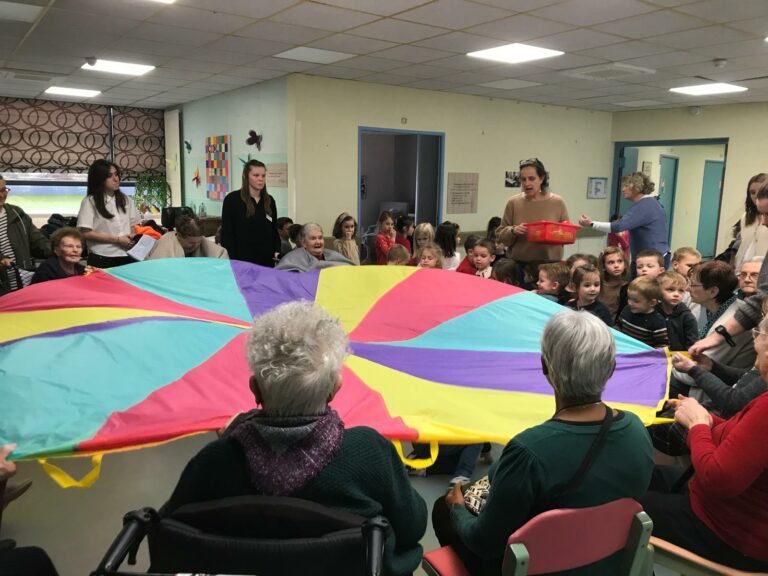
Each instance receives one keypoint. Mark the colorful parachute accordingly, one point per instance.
(153, 351)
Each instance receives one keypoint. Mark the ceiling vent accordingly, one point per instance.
(610, 71)
(28, 75)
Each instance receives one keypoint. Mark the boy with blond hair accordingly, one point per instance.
(682, 328)
(640, 319)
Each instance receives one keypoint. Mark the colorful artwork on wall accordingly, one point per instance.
(217, 152)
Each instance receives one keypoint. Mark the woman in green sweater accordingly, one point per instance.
(296, 445)
(537, 469)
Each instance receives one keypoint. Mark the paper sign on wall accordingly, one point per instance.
(217, 153)
(462, 192)
(277, 175)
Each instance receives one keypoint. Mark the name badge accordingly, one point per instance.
(269, 217)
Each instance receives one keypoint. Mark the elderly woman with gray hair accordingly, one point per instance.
(312, 253)
(585, 455)
(296, 445)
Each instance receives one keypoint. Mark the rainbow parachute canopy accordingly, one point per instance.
(153, 351)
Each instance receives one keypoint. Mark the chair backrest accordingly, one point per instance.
(258, 535)
(568, 538)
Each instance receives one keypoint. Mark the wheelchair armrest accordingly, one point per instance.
(136, 524)
(375, 533)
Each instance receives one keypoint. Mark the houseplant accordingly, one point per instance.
(152, 192)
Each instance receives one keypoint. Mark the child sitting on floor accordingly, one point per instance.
(640, 319)
(614, 280)
(649, 263)
(505, 272)
(430, 256)
(398, 256)
(586, 281)
(483, 257)
(553, 278)
(682, 329)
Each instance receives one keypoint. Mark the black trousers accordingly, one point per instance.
(26, 561)
(108, 261)
(675, 522)
(447, 536)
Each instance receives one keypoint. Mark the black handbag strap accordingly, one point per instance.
(586, 464)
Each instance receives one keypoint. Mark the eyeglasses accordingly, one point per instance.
(756, 332)
(530, 162)
(745, 275)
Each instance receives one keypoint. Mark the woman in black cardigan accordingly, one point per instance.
(249, 219)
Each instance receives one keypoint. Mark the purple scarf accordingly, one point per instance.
(285, 453)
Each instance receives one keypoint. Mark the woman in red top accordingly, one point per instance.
(724, 514)
(385, 239)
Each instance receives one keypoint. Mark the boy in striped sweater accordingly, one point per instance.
(640, 319)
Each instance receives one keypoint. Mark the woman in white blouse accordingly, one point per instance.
(107, 217)
(754, 236)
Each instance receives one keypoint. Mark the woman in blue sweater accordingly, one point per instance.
(645, 220)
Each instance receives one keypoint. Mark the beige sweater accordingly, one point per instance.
(520, 210)
(168, 247)
(347, 248)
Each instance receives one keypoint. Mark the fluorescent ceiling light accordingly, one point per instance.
(164, 1)
(314, 55)
(118, 67)
(707, 89)
(72, 92)
(515, 53)
(511, 84)
(16, 12)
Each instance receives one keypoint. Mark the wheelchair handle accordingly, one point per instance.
(375, 532)
(135, 527)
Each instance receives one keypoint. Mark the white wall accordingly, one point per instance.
(263, 108)
(483, 135)
(742, 124)
(690, 177)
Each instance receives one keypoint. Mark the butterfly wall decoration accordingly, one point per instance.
(254, 139)
(188, 146)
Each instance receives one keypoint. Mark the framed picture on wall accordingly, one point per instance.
(647, 168)
(597, 188)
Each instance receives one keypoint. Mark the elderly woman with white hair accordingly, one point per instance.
(312, 254)
(296, 445)
(585, 455)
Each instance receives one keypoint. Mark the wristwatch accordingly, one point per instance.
(726, 336)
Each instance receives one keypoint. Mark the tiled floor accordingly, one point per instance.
(76, 526)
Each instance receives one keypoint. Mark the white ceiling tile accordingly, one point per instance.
(434, 84)
(282, 32)
(387, 78)
(377, 6)
(325, 17)
(229, 80)
(412, 54)
(130, 44)
(725, 75)
(518, 5)
(372, 63)
(12, 29)
(589, 84)
(476, 77)
(580, 39)
(207, 54)
(669, 59)
(157, 81)
(73, 23)
(478, 90)
(589, 12)
(671, 83)
(255, 73)
(704, 69)
(453, 14)
(726, 10)
(152, 104)
(39, 67)
(460, 42)
(200, 87)
(625, 50)
(549, 78)
(759, 84)
(131, 9)
(568, 61)
(247, 8)
(199, 19)
(285, 65)
(744, 62)
(758, 26)
(173, 35)
(397, 31)
(516, 70)
(465, 63)
(338, 72)
(254, 46)
(423, 71)
(698, 37)
(351, 44)
(735, 49)
(655, 23)
(185, 71)
(198, 66)
(519, 28)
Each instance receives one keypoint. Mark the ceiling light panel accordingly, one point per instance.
(315, 55)
(515, 53)
(61, 91)
(114, 67)
(16, 12)
(708, 89)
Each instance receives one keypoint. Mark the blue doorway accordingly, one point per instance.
(667, 186)
(709, 212)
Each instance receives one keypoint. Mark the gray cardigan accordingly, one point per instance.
(26, 240)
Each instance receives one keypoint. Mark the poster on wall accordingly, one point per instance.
(217, 154)
(277, 175)
(462, 192)
(647, 168)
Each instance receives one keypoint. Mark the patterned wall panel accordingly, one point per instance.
(45, 136)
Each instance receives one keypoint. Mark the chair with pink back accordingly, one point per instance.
(567, 538)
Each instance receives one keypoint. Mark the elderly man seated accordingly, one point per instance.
(296, 444)
(312, 253)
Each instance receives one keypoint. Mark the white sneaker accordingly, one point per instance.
(460, 480)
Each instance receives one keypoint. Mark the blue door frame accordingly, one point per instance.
(618, 148)
(441, 160)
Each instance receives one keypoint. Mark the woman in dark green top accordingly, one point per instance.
(297, 446)
(578, 357)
